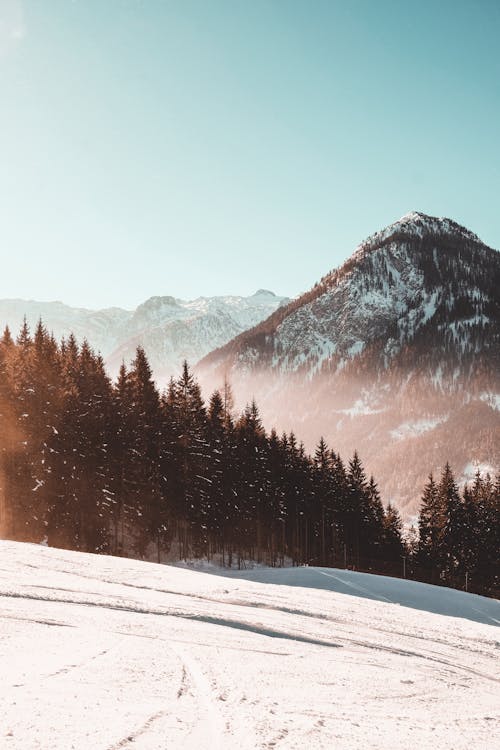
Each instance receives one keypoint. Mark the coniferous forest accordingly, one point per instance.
(120, 468)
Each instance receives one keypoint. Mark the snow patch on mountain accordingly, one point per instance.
(359, 408)
(355, 310)
(492, 399)
(416, 428)
(470, 470)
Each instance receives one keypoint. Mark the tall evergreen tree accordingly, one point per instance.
(451, 503)
(431, 525)
(393, 545)
(143, 469)
(355, 509)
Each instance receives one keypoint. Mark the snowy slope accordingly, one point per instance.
(106, 653)
(169, 329)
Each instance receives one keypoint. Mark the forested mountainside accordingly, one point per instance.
(169, 329)
(396, 354)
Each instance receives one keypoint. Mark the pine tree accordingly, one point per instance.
(322, 516)
(143, 461)
(276, 520)
(468, 541)
(450, 540)
(7, 340)
(215, 494)
(251, 462)
(64, 519)
(97, 496)
(355, 509)
(340, 491)
(172, 469)
(393, 545)
(22, 481)
(119, 453)
(47, 415)
(431, 524)
(487, 501)
(193, 438)
(9, 437)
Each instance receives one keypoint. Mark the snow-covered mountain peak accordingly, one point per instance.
(396, 281)
(157, 303)
(417, 225)
(413, 216)
(263, 293)
(155, 311)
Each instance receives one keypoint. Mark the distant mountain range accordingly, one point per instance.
(169, 329)
(396, 354)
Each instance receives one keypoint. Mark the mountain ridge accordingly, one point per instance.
(169, 328)
(413, 220)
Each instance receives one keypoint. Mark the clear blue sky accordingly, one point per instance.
(216, 146)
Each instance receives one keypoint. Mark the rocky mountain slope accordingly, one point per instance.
(169, 329)
(396, 353)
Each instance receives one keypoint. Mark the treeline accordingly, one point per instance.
(120, 468)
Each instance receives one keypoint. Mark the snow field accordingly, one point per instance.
(106, 653)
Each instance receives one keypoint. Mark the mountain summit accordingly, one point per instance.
(395, 353)
(417, 224)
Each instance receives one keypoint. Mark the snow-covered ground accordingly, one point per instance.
(101, 653)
